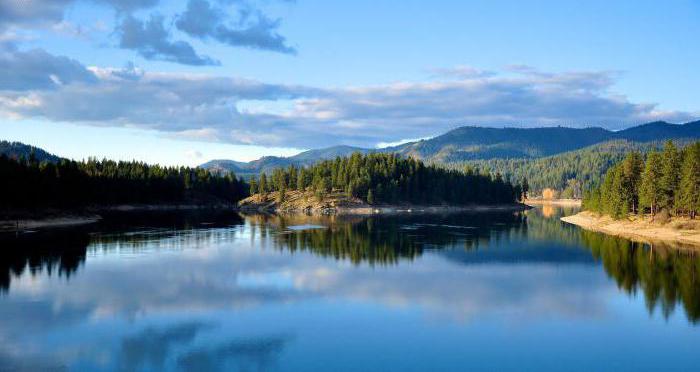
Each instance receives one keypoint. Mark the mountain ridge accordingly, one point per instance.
(468, 143)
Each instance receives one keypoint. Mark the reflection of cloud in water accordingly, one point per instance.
(151, 347)
(21, 360)
(516, 292)
(259, 354)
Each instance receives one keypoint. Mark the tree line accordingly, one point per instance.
(666, 180)
(389, 178)
(29, 183)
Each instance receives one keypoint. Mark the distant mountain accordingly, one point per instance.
(660, 130)
(267, 163)
(17, 150)
(472, 143)
(478, 143)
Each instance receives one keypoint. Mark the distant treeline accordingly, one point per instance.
(667, 180)
(388, 178)
(29, 183)
(567, 172)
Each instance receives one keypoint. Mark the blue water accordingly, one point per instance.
(392, 293)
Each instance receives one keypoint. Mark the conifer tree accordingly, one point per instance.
(632, 168)
(650, 191)
(262, 185)
(670, 176)
(689, 190)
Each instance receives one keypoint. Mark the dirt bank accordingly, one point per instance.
(678, 230)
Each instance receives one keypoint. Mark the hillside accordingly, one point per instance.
(478, 143)
(17, 150)
(567, 171)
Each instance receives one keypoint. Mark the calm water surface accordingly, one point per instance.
(412, 292)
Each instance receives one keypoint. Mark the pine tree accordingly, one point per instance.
(262, 185)
(525, 187)
(670, 176)
(632, 168)
(253, 186)
(370, 197)
(650, 191)
(689, 192)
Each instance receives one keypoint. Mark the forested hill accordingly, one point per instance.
(478, 143)
(18, 150)
(568, 172)
(389, 179)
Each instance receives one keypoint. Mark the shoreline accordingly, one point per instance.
(337, 202)
(23, 221)
(27, 220)
(398, 209)
(557, 202)
(640, 229)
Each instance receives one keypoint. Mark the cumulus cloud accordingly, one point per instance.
(40, 12)
(152, 41)
(205, 107)
(252, 29)
(38, 69)
(31, 12)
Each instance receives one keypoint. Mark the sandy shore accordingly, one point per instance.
(559, 202)
(679, 230)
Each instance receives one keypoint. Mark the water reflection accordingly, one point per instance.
(383, 240)
(666, 275)
(61, 254)
(279, 292)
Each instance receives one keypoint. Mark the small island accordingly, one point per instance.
(652, 200)
(379, 183)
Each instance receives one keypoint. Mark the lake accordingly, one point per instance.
(410, 292)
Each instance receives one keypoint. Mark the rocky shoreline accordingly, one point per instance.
(296, 202)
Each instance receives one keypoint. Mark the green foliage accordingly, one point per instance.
(650, 192)
(388, 178)
(670, 176)
(670, 182)
(689, 198)
(34, 184)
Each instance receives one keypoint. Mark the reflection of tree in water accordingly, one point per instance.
(175, 230)
(60, 254)
(667, 276)
(551, 228)
(383, 239)
(64, 251)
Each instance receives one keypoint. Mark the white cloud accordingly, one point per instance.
(232, 110)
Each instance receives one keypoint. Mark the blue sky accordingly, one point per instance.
(182, 82)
